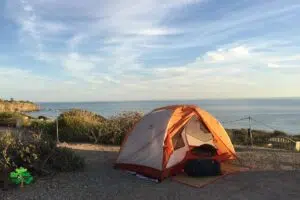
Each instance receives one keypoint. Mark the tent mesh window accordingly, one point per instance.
(197, 129)
(203, 127)
(177, 140)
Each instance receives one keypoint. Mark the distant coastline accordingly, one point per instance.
(18, 106)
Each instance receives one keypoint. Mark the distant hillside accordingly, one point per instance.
(17, 106)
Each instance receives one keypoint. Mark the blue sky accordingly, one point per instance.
(94, 50)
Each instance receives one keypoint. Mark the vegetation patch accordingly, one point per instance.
(11, 119)
(77, 125)
(259, 137)
(113, 130)
(36, 152)
(84, 126)
(41, 126)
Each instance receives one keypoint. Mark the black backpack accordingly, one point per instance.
(202, 167)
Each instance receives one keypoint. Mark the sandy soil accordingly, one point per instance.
(100, 181)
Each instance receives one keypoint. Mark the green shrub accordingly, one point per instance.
(238, 136)
(65, 160)
(115, 128)
(76, 125)
(84, 126)
(7, 142)
(11, 118)
(83, 115)
(34, 152)
(16, 152)
(296, 137)
(259, 137)
(277, 133)
(44, 127)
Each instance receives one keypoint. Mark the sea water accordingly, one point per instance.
(267, 114)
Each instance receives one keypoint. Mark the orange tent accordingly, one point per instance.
(161, 142)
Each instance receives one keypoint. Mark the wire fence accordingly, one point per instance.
(258, 138)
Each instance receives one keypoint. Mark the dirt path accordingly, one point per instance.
(100, 181)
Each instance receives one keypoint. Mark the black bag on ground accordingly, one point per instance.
(202, 167)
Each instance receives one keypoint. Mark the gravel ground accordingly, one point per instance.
(100, 181)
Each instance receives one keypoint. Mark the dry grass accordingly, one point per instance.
(82, 115)
(269, 159)
(83, 126)
(90, 147)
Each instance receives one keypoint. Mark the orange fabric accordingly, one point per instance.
(221, 138)
(171, 107)
(223, 157)
(179, 118)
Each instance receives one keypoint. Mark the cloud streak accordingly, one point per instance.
(135, 46)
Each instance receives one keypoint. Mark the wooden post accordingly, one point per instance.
(57, 136)
(297, 146)
(250, 132)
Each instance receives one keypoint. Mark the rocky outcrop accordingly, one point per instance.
(17, 106)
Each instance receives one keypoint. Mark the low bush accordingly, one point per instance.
(16, 152)
(84, 126)
(10, 119)
(296, 137)
(238, 136)
(115, 128)
(76, 125)
(277, 133)
(35, 152)
(259, 137)
(44, 127)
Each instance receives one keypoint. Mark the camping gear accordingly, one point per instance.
(202, 167)
(161, 142)
(205, 150)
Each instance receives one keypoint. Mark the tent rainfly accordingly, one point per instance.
(159, 144)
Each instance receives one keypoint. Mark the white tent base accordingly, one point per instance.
(143, 177)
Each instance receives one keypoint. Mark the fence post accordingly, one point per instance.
(57, 136)
(250, 132)
(297, 146)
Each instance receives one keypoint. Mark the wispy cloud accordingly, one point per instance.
(157, 32)
(133, 46)
(11, 78)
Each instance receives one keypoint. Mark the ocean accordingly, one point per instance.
(267, 114)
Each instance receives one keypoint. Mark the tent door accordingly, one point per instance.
(181, 147)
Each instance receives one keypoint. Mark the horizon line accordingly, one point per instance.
(157, 100)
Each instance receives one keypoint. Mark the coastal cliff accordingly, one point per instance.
(17, 106)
